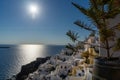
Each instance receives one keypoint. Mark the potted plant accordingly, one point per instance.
(99, 12)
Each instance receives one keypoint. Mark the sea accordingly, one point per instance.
(12, 57)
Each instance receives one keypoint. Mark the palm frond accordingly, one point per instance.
(84, 26)
(95, 17)
(82, 9)
(92, 14)
(73, 36)
(71, 47)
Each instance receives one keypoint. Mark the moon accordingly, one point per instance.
(33, 10)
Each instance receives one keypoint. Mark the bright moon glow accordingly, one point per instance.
(33, 10)
(31, 52)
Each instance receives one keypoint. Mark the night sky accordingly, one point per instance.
(50, 25)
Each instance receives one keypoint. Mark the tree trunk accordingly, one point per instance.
(107, 48)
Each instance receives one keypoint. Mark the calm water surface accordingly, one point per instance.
(11, 59)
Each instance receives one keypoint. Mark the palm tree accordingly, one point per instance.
(99, 13)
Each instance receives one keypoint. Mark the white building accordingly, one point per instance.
(91, 41)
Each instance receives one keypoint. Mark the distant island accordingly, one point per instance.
(5, 47)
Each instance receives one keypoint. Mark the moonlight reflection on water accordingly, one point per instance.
(11, 59)
(32, 51)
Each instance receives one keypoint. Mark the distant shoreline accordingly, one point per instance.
(4, 47)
